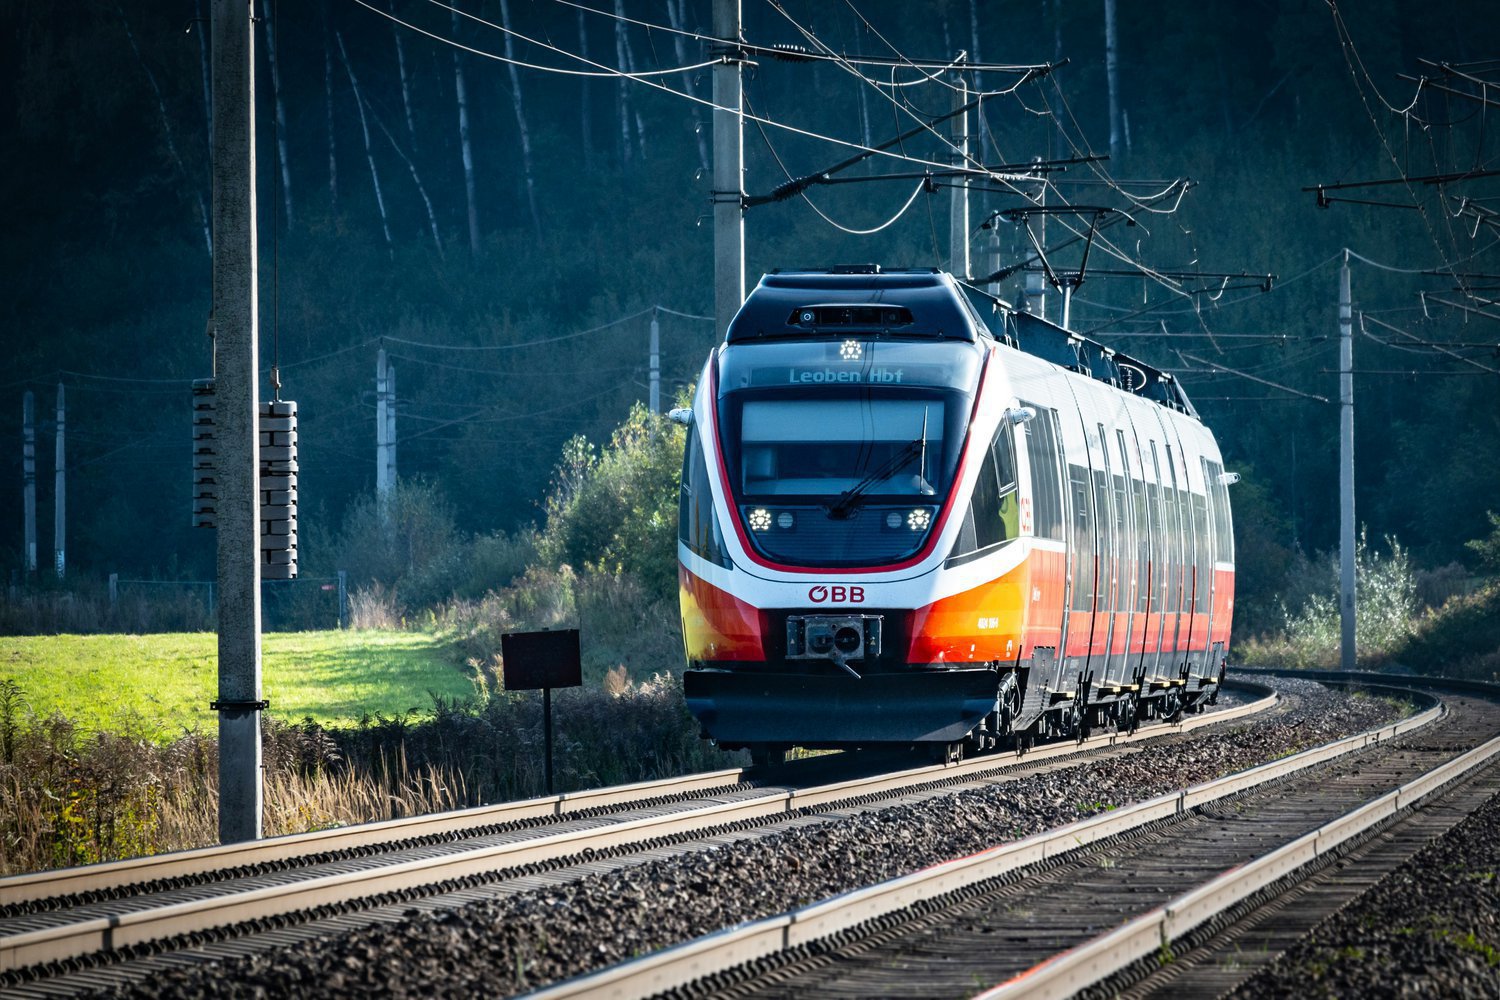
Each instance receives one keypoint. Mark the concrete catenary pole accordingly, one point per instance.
(958, 209)
(236, 322)
(60, 497)
(28, 478)
(382, 429)
(729, 169)
(655, 363)
(390, 426)
(1346, 469)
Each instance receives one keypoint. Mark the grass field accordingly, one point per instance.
(160, 685)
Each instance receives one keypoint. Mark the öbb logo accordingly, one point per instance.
(837, 594)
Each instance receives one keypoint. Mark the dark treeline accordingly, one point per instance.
(413, 193)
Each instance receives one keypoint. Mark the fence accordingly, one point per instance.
(286, 605)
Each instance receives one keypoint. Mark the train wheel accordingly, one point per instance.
(762, 755)
(1129, 715)
(945, 753)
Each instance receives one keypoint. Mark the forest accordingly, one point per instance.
(503, 195)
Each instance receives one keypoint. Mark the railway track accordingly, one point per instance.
(61, 932)
(1099, 907)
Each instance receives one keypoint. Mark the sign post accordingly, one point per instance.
(542, 661)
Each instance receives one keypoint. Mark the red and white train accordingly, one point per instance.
(907, 519)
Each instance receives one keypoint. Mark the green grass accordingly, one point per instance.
(160, 685)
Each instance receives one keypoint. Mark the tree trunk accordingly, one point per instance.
(396, 30)
(166, 127)
(677, 15)
(623, 102)
(333, 160)
(432, 224)
(636, 116)
(1112, 75)
(286, 172)
(359, 105)
(201, 21)
(462, 97)
(519, 105)
(585, 100)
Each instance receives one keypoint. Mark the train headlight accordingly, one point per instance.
(920, 519)
(760, 519)
(893, 520)
(851, 350)
(785, 521)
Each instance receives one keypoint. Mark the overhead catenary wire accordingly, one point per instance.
(635, 77)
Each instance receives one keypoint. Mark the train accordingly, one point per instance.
(913, 515)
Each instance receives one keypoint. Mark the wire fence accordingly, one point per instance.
(286, 605)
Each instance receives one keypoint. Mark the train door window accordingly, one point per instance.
(1046, 480)
(1160, 548)
(1124, 537)
(1142, 538)
(1177, 554)
(1204, 559)
(1103, 529)
(1083, 539)
(697, 527)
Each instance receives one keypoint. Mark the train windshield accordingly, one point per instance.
(841, 476)
(872, 443)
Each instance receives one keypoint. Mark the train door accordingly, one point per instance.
(1140, 527)
(1160, 564)
(1045, 510)
(1177, 568)
(1082, 550)
(1124, 615)
(1108, 580)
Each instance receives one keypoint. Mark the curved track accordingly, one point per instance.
(1051, 918)
(52, 925)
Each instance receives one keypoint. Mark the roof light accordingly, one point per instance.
(851, 350)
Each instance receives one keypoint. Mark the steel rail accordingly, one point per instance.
(70, 940)
(728, 949)
(1102, 957)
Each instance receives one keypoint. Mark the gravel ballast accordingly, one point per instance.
(519, 942)
(1430, 929)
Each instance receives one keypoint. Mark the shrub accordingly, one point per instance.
(1386, 609)
(617, 511)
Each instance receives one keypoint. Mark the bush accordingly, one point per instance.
(1386, 608)
(1460, 639)
(617, 511)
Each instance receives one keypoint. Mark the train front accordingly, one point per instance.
(825, 442)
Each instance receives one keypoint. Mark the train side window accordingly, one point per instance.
(1083, 540)
(1046, 474)
(697, 527)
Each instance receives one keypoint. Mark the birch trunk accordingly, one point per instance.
(432, 224)
(1112, 74)
(203, 61)
(333, 160)
(519, 105)
(364, 125)
(280, 106)
(585, 101)
(623, 101)
(636, 116)
(396, 29)
(462, 97)
(166, 128)
(677, 15)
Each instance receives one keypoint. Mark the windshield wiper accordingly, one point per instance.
(844, 505)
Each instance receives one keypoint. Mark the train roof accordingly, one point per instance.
(929, 304)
